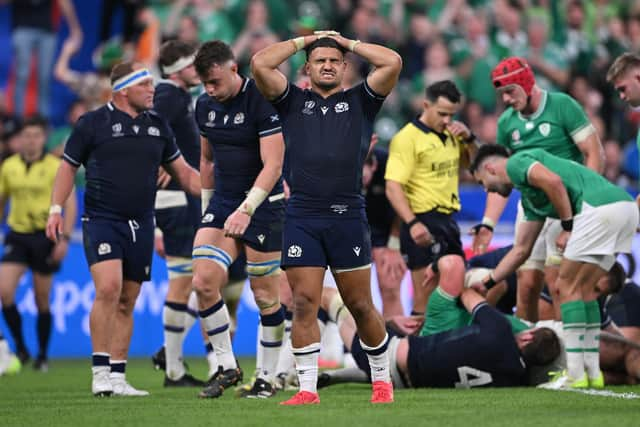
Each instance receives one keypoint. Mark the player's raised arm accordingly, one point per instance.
(591, 149)
(264, 65)
(387, 63)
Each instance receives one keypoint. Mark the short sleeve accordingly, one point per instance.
(518, 167)
(401, 159)
(78, 146)
(268, 120)
(171, 151)
(575, 120)
(284, 102)
(371, 101)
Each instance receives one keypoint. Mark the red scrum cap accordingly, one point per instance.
(513, 71)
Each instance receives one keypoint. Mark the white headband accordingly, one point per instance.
(131, 79)
(179, 65)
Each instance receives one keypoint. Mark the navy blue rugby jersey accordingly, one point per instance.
(233, 129)
(121, 156)
(327, 140)
(175, 105)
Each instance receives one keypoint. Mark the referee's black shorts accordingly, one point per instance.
(446, 236)
(30, 249)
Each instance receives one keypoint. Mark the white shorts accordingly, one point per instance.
(601, 232)
(544, 252)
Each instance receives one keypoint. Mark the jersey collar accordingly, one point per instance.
(538, 112)
(426, 129)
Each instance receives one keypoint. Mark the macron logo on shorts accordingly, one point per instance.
(104, 249)
(356, 250)
(294, 251)
(207, 218)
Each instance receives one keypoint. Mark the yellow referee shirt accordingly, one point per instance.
(29, 187)
(426, 164)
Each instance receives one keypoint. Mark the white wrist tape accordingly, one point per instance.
(393, 243)
(205, 197)
(298, 42)
(255, 197)
(353, 44)
(488, 221)
(55, 209)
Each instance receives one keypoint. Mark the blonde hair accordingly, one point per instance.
(622, 65)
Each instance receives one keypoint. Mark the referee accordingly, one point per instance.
(422, 186)
(26, 178)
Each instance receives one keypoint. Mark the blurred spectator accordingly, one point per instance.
(33, 32)
(586, 95)
(94, 88)
(509, 37)
(130, 28)
(546, 58)
(255, 35)
(613, 165)
(421, 32)
(436, 69)
(211, 16)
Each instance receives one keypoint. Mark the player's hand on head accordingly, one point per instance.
(163, 178)
(236, 224)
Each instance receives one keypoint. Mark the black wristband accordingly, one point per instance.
(476, 228)
(470, 139)
(413, 222)
(567, 224)
(490, 283)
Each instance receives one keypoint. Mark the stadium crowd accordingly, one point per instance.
(404, 101)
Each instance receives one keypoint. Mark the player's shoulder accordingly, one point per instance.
(560, 97)
(203, 101)
(159, 121)
(507, 115)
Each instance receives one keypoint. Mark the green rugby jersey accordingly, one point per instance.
(582, 184)
(555, 127)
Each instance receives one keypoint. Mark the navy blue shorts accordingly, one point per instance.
(379, 237)
(31, 249)
(341, 243)
(179, 226)
(264, 233)
(130, 241)
(445, 232)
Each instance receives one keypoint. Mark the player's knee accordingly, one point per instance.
(305, 306)
(451, 267)
(108, 291)
(265, 298)
(359, 308)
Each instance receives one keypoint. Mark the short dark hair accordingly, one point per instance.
(445, 88)
(36, 120)
(543, 349)
(485, 151)
(214, 52)
(324, 42)
(173, 50)
(120, 70)
(617, 277)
